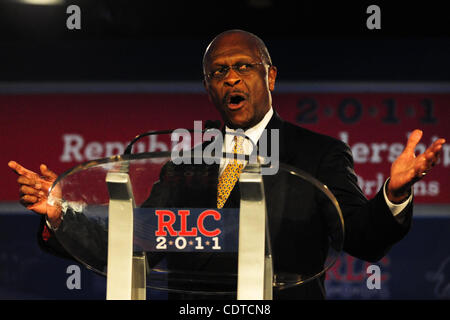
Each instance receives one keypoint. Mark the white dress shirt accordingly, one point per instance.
(254, 133)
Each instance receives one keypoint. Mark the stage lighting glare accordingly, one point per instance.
(42, 2)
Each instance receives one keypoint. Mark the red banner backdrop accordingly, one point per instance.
(63, 130)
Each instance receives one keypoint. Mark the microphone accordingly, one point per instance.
(209, 124)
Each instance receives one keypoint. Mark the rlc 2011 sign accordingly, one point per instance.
(201, 226)
(167, 218)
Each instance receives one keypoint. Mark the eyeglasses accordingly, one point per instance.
(240, 68)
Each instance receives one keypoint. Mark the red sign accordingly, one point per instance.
(63, 130)
(376, 127)
(167, 224)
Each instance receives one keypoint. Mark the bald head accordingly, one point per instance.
(236, 37)
(239, 77)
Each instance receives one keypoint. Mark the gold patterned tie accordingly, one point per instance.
(230, 175)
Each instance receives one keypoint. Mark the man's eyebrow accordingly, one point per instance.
(233, 54)
(235, 60)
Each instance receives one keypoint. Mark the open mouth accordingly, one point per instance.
(235, 100)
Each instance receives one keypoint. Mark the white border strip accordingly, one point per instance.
(197, 87)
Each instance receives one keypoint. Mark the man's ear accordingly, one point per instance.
(272, 77)
(206, 86)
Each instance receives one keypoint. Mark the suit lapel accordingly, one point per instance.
(276, 123)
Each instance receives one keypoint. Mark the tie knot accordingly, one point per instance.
(238, 144)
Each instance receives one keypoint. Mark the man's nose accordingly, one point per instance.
(232, 78)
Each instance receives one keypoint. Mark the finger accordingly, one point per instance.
(433, 152)
(28, 200)
(437, 145)
(26, 181)
(424, 163)
(35, 183)
(46, 172)
(438, 155)
(413, 140)
(21, 170)
(431, 160)
(26, 190)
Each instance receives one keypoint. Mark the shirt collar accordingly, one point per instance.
(254, 133)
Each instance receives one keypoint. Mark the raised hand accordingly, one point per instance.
(407, 169)
(34, 191)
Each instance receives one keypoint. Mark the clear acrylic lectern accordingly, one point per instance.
(144, 221)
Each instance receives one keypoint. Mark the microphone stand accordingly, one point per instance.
(209, 124)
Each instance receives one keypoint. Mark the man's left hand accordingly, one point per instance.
(407, 169)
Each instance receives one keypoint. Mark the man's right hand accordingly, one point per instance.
(34, 191)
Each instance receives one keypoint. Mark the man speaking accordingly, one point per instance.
(239, 77)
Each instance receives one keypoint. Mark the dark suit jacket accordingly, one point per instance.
(297, 224)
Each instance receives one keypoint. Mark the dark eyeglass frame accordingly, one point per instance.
(235, 67)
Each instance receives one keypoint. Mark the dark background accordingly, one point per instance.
(165, 40)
